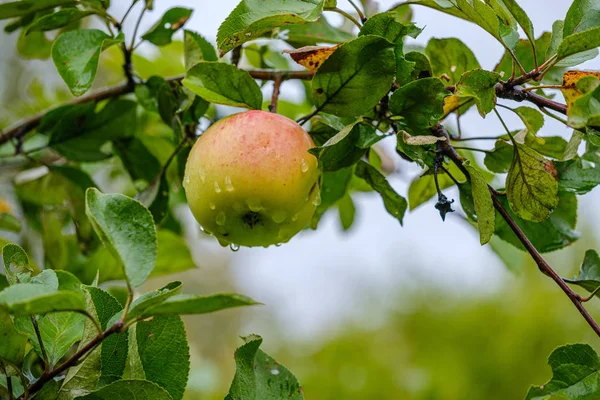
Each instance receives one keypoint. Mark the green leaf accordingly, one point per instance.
(578, 175)
(355, 77)
(347, 147)
(393, 202)
(532, 118)
(33, 298)
(521, 17)
(106, 363)
(311, 33)
(197, 49)
(260, 377)
(579, 43)
(390, 26)
(253, 18)
(76, 54)
(129, 390)
(137, 159)
(531, 185)
(156, 197)
(481, 86)
(151, 299)
(223, 84)
(34, 45)
(572, 148)
(420, 103)
(556, 40)
(575, 370)
(589, 273)
(57, 20)
(114, 348)
(581, 16)
(23, 7)
(147, 93)
(59, 331)
(173, 254)
(164, 353)
(12, 343)
(346, 211)
(555, 232)
(500, 158)
(451, 57)
(127, 229)
(551, 146)
(484, 207)
(172, 20)
(15, 262)
(195, 304)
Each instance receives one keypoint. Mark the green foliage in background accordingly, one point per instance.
(96, 182)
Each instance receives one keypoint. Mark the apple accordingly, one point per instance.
(250, 181)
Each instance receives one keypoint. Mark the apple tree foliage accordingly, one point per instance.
(64, 334)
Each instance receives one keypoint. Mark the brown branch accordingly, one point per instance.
(46, 377)
(510, 91)
(542, 264)
(21, 128)
(276, 86)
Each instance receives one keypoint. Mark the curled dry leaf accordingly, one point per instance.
(420, 140)
(311, 57)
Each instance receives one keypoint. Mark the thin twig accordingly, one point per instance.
(359, 12)
(275, 96)
(38, 335)
(472, 149)
(127, 13)
(137, 26)
(464, 139)
(21, 128)
(591, 296)
(345, 14)
(46, 377)
(530, 88)
(548, 113)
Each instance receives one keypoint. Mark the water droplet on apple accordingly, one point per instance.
(295, 217)
(279, 216)
(221, 218)
(254, 204)
(186, 181)
(234, 247)
(317, 199)
(212, 206)
(217, 187)
(202, 175)
(228, 185)
(277, 245)
(304, 165)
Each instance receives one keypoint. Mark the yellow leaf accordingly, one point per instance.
(569, 86)
(311, 57)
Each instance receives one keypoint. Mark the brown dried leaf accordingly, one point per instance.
(311, 57)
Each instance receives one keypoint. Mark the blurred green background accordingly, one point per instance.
(428, 341)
